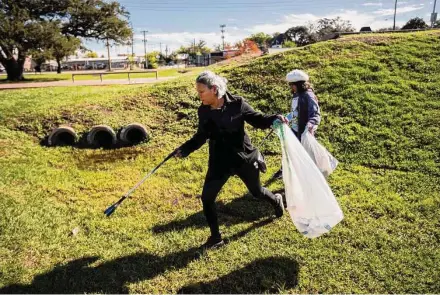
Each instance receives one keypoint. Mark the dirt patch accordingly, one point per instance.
(100, 159)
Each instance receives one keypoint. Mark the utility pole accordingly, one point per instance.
(166, 51)
(433, 15)
(108, 55)
(132, 48)
(145, 50)
(223, 37)
(160, 46)
(395, 12)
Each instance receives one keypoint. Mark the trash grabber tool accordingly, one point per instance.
(109, 211)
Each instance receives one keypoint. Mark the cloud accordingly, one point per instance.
(288, 21)
(372, 4)
(357, 19)
(400, 10)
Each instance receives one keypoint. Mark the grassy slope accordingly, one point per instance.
(379, 97)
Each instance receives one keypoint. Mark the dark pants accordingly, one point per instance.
(214, 181)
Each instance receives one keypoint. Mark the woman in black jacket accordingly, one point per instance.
(221, 120)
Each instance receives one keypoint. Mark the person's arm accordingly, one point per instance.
(257, 119)
(313, 113)
(196, 141)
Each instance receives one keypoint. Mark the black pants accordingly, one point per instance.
(215, 180)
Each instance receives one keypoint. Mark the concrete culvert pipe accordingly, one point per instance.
(62, 136)
(133, 134)
(101, 136)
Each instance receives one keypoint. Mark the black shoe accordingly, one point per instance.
(213, 243)
(279, 206)
(278, 175)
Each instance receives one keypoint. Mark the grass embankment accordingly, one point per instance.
(381, 118)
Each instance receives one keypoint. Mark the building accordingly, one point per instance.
(98, 63)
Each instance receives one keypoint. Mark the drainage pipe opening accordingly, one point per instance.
(62, 136)
(101, 136)
(133, 134)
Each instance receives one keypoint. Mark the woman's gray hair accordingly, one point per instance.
(210, 79)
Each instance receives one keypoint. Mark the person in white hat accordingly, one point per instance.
(305, 112)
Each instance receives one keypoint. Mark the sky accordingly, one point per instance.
(172, 23)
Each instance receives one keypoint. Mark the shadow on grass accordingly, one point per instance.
(269, 275)
(244, 209)
(79, 276)
(240, 210)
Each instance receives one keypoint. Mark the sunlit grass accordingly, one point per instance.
(381, 118)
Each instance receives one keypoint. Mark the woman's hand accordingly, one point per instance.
(282, 119)
(312, 128)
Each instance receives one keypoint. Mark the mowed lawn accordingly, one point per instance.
(53, 76)
(381, 118)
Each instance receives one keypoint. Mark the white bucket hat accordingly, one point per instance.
(297, 75)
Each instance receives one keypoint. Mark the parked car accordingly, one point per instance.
(101, 66)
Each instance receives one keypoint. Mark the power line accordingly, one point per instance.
(223, 3)
(232, 6)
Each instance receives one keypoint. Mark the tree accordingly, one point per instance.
(262, 39)
(300, 35)
(40, 57)
(194, 49)
(33, 25)
(327, 26)
(247, 47)
(62, 47)
(219, 47)
(415, 23)
(289, 44)
(437, 24)
(152, 59)
(278, 39)
(91, 54)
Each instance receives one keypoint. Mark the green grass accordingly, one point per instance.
(381, 111)
(50, 77)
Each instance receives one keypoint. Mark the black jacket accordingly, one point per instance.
(229, 144)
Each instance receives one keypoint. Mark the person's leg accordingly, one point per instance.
(251, 178)
(212, 186)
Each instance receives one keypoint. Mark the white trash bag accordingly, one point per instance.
(323, 159)
(310, 202)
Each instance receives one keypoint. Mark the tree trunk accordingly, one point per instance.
(59, 66)
(14, 69)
